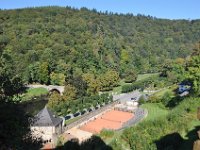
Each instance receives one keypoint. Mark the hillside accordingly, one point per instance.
(65, 42)
(176, 129)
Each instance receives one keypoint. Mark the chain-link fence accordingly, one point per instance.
(89, 116)
(139, 114)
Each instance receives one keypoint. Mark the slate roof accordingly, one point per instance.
(46, 118)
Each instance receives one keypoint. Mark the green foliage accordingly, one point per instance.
(106, 134)
(64, 104)
(185, 70)
(15, 123)
(71, 42)
(57, 78)
(79, 85)
(166, 98)
(127, 88)
(54, 101)
(109, 80)
(43, 73)
(146, 76)
(193, 73)
(142, 100)
(30, 93)
(116, 145)
(158, 129)
(38, 72)
(69, 93)
(155, 111)
(174, 70)
(130, 76)
(93, 83)
(153, 83)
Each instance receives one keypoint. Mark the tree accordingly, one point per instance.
(93, 84)
(54, 101)
(43, 72)
(57, 78)
(174, 70)
(130, 76)
(196, 49)
(166, 98)
(70, 93)
(193, 73)
(80, 85)
(108, 80)
(33, 72)
(15, 123)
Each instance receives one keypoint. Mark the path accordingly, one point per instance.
(135, 95)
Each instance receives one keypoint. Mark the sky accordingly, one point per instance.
(170, 9)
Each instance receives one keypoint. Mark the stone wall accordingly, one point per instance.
(46, 132)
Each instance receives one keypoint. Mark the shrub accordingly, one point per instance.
(142, 100)
(166, 98)
(106, 133)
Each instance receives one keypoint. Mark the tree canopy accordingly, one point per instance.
(45, 43)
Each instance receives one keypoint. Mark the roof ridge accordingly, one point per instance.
(47, 118)
(49, 114)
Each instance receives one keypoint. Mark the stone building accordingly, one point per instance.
(47, 125)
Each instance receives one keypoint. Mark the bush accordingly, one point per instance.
(127, 88)
(142, 100)
(154, 99)
(106, 133)
(116, 145)
(166, 98)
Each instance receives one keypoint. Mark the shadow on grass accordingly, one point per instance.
(192, 137)
(94, 143)
(174, 101)
(169, 142)
(174, 141)
(33, 106)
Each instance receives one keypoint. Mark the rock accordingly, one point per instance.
(196, 145)
(198, 132)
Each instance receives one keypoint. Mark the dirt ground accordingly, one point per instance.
(79, 134)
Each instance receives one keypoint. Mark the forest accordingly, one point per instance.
(54, 45)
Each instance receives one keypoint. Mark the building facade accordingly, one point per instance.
(47, 126)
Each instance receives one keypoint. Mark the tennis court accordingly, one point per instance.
(113, 120)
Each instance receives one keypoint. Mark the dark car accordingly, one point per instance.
(67, 117)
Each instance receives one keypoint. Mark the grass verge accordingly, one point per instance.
(155, 111)
(30, 93)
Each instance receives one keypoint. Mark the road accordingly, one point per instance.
(135, 95)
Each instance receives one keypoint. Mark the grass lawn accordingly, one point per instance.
(72, 120)
(155, 111)
(118, 89)
(35, 92)
(167, 89)
(145, 76)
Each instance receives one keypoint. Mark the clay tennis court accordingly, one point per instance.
(113, 119)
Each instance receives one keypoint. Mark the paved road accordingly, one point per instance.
(135, 95)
